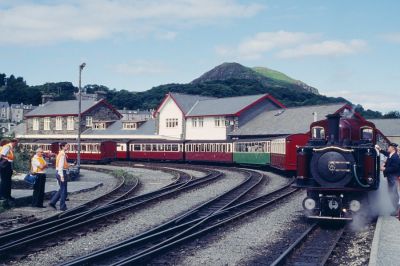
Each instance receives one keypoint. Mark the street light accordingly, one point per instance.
(78, 163)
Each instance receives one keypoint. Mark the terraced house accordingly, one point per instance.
(59, 119)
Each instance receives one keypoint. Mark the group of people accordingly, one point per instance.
(38, 167)
(391, 170)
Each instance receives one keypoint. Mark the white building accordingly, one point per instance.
(195, 117)
(4, 111)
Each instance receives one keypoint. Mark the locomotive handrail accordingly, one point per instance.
(356, 177)
(333, 148)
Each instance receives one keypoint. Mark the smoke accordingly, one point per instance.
(377, 203)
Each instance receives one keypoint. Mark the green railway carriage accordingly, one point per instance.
(252, 152)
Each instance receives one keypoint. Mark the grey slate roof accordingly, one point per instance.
(4, 104)
(61, 108)
(186, 101)
(389, 127)
(222, 106)
(148, 128)
(285, 121)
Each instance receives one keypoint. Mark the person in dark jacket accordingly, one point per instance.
(6, 170)
(391, 170)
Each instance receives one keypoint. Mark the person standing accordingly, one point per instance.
(391, 170)
(7, 157)
(61, 175)
(38, 168)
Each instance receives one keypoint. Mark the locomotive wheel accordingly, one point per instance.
(332, 168)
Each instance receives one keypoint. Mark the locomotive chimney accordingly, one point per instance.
(333, 127)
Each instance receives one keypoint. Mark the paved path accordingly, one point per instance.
(385, 249)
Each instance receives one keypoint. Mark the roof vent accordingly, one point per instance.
(280, 112)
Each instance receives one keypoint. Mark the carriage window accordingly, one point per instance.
(366, 133)
(174, 147)
(318, 133)
(136, 147)
(161, 147)
(147, 147)
(154, 147)
(168, 147)
(208, 148)
(229, 147)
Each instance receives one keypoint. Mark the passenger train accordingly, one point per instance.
(278, 152)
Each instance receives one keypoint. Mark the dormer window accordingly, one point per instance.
(129, 125)
(99, 125)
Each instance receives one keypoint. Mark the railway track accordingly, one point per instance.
(83, 219)
(313, 247)
(192, 224)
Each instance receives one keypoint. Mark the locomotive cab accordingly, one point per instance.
(338, 166)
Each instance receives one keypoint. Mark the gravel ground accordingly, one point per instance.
(149, 179)
(354, 247)
(238, 243)
(137, 222)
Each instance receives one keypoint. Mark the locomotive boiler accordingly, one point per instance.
(338, 167)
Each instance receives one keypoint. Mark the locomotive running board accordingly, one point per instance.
(330, 218)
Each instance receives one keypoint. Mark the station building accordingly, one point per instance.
(195, 117)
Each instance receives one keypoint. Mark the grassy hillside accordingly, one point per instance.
(273, 74)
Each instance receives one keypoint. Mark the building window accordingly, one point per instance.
(318, 133)
(59, 123)
(35, 125)
(129, 125)
(194, 122)
(89, 121)
(171, 122)
(70, 123)
(219, 121)
(46, 123)
(201, 121)
(99, 125)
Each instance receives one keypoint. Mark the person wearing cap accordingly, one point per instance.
(38, 168)
(6, 171)
(391, 170)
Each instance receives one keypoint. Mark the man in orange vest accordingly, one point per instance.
(7, 157)
(61, 172)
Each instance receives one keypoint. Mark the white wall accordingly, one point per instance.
(170, 110)
(208, 132)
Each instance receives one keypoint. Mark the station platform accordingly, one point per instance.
(23, 197)
(385, 248)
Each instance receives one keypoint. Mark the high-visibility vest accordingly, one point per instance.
(66, 165)
(42, 163)
(10, 154)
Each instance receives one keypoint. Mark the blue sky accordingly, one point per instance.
(343, 48)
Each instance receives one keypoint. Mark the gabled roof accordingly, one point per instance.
(389, 127)
(64, 108)
(286, 121)
(147, 128)
(197, 105)
(186, 101)
(228, 106)
(4, 104)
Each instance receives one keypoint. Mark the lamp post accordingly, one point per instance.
(78, 162)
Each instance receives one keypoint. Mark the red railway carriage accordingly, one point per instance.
(209, 151)
(283, 151)
(92, 150)
(122, 150)
(163, 150)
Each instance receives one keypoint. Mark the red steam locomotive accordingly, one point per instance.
(338, 167)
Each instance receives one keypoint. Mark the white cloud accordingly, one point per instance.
(141, 67)
(80, 20)
(285, 44)
(393, 37)
(374, 100)
(325, 48)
